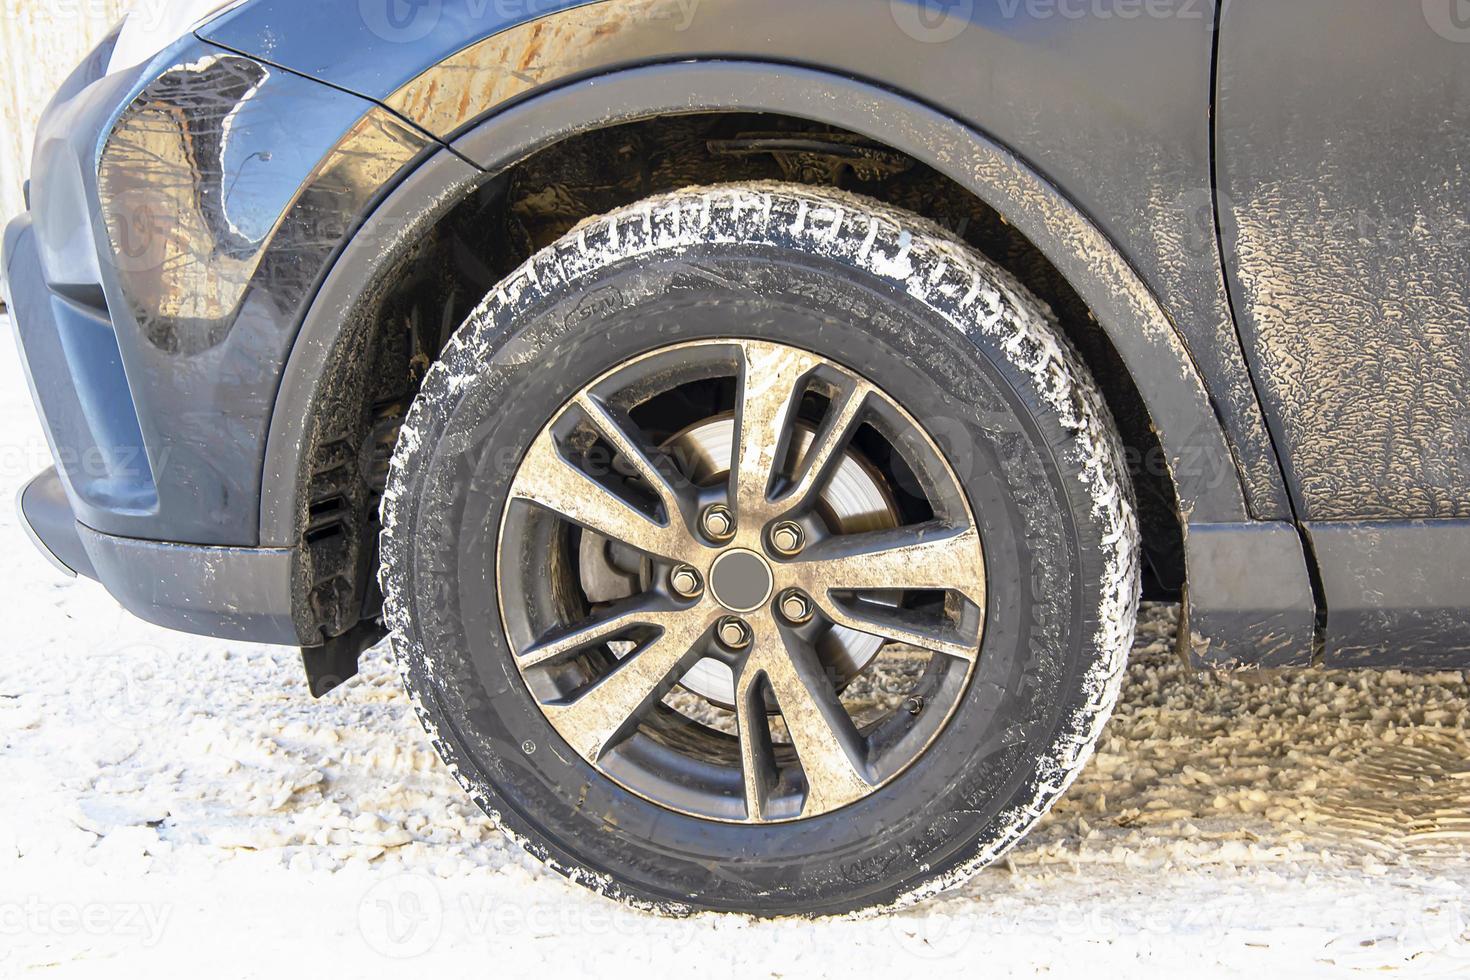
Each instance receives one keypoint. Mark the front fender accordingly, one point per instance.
(1112, 110)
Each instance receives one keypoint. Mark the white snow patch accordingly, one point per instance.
(173, 803)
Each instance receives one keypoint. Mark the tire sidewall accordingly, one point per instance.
(1030, 710)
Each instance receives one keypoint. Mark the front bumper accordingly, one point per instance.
(80, 390)
(236, 593)
(179, 217)
(99, 512)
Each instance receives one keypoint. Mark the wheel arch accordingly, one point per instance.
(1232, 616)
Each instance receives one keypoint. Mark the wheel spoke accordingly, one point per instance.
(825, 450)
(548, 479)
(757, 754)
(624, 436)
(596, 718)
(826, 740)
(562, 643)
(900, 626)
(770, 380)
(930, 556)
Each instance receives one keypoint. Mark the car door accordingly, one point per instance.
(1343, 177)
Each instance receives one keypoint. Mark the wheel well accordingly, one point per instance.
(397, 329)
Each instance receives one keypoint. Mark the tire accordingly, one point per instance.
(964, 353)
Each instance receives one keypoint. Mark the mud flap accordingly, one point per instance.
(330, 665)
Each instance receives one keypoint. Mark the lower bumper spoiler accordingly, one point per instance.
(235, 593)
(46, 516)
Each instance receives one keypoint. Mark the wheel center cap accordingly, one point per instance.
(741, 580)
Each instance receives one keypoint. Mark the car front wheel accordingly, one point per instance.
(761, 548)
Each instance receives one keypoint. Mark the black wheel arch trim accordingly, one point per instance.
(1226, 611)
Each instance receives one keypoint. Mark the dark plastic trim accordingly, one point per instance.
(1398, 593)
(441, 180)
(46, 517)
(233, 593)
(1209, 483)
(1248, 599)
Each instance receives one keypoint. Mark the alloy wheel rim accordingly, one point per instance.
(604, 655)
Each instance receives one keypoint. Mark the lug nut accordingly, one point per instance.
(787, 537)
(719, 523)
(796, 607)
(686, 582)
(734, 633)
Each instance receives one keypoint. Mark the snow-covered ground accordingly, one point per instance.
(173, 805)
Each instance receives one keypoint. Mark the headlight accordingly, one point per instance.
(155, 24)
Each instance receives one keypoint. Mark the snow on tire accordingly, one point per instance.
(952, 344)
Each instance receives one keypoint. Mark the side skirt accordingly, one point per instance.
(1398, 593)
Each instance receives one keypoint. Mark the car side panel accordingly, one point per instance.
(1344, 164)
(1344, 161)
(223, 188)
(1112, 110)
(180, 217)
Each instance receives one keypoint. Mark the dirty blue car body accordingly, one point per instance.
(1258, 210)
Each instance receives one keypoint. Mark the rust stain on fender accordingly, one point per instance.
(515, 61)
